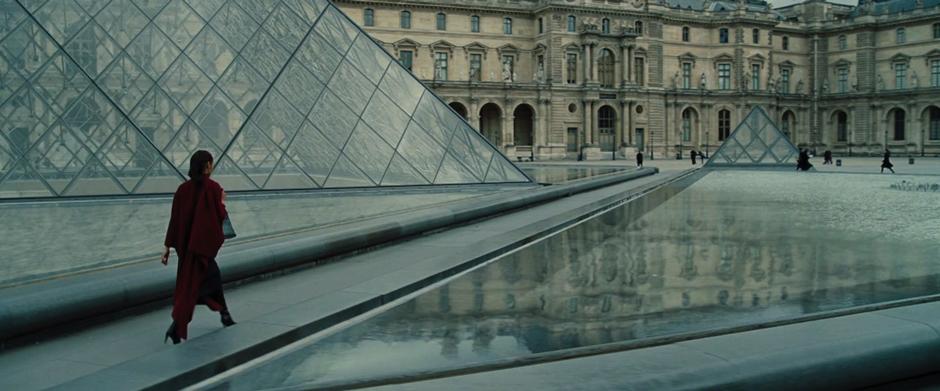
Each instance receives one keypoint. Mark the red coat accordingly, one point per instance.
(205, 238)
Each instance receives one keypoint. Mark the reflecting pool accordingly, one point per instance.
(727, 249)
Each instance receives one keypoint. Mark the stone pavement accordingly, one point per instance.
(128, 353)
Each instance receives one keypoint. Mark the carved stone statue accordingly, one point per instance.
(540, 73)
(507, 71)
(881, 82)
(515, 76)
(771, 87)
(702, 81)
(914, 80)
(492, 76)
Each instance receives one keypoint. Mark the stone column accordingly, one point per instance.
(509, 130)
(586, 128)
(630, 126)
(630, 64)
(594, 130)
(586, 64)
(622, 128)
(593, 64)
(474, 115)
(502, 130)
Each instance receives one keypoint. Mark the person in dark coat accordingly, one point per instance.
(827, 157)
(802, 162)
(639, 159)
(195, 231)
(693, 154)
(886, 162)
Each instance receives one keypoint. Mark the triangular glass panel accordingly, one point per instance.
(265, 54)
(153, 51)
(277, 118)
(179, 22)
(369, 152)
(257, 9)
(501, 171)
(482, 150)
(229, 176)
(338, 30)
(346, 174)
(60, 83)
(308, 9)
(10, 80)
(12, 16)
(351, 87)
(94, 59)
(318, 56)
(299, 87)
(287, 28)
(313, 153)
(210, 53)
(128, 155)
(243, 84)
(151, 7)
(288, 175)
(61, 18)
(188, 140)
(333, 118)
(402, 87)
(255, 154)
(22, 181)
(234, 25)
(94, 179)
(756, 141)
(219, 118)
(369, 58)
(185, 84)
(461, 149)
(59, 156)
(205, 8)
(400, 173)
(125, 82)
(160, 179)
(453, 172)
(158, 117)
(419, 149)
(121, 20)
(25, 118)
(7, 156)
(385, 118)
(436, 118)
(28, 41)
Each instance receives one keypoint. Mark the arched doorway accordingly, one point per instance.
(522, 125)
(491, 123)
(840, 127)
(688, 128)
(788, 124)
(460, 109)
(931, 120)
(897, 124)
(606, 127)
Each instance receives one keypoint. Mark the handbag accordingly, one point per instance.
(228, 231)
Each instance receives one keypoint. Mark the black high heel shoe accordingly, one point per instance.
(226, 318)
(171, 334)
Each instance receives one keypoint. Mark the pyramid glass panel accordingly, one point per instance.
(106, 97)
(756, 141)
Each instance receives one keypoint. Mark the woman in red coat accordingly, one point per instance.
(195, 232)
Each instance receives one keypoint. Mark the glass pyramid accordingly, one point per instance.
(755, 142)
(102, 98)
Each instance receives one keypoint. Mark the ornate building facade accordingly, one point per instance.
(555, 79)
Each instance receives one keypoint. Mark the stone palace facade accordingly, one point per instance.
(555, 79)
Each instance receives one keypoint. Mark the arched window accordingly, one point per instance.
(572, 23)
(901, 35)
(899, 125)
(722, 35)
(724, 124)
(843, 43)
(441, 21)
(606, 120)
(842, 126)
(605, 26)
(638, 26)
(368, 17)
(685, 34)
(507, 26)
(687, 125)
(605, 68)
(405, 20)
(475, 24)
(785, 43)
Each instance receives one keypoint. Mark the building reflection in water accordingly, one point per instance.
(679, 260)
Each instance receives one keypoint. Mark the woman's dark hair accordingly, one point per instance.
(198, 163)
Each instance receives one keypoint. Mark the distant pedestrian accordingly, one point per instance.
(195, 231)
(692, 153)
(802, 163)
(886, 162)
(639, 159)
(827, 157)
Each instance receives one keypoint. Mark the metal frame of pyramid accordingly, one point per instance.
(755, 142)
(111, 98)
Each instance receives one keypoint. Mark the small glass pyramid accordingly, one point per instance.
(755, 142)
(104, 98)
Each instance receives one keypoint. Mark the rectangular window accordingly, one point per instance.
(368, 17)
(406, 58)
(936, 31)
(935, 73)
(900, 76)
(724, 76)
(785, 81)
(724, 124)
(686, 75)
(572, 68)
(509, 67)
(755, 36)
(572, 24)
(843, 80)
(405, 20)
(901, 35)
(440, 66)
(755, 77)
(541, 26)
(474, 24)
(638, 69)
(934, 124)
(476, 66)
(507, 26)
(723, 35)
(441, 21)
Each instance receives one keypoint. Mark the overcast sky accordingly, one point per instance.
(784, 3)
